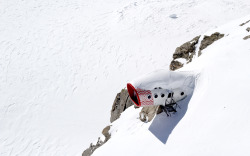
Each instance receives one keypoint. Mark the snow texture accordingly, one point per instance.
(62, 63)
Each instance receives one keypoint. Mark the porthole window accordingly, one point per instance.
(156, 96)
(149, 96)
(162, 95)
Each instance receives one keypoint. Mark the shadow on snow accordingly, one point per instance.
(162, 125)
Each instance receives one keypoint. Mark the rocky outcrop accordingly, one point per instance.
(174, 65)
(246, 37)
(188, 50)
(248, 29)
(121, 103)
(208, 40)
(92, 148)
(106, 133)
(185, 51)
(244, 23)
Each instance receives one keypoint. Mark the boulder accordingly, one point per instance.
(106, 133)
(175, 65)
(89, 151)
(185, 51)
(121, 103)
(248, 29)
(244, 23)
(188, 49)
(246, 37)
(208, 40)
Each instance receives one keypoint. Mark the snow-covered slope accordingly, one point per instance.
(216, 121)
(62, 62)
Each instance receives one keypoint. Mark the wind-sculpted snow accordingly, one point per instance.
(62, 63)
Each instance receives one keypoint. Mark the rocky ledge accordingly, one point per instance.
(121, 103)
(122, 100)
(188, 50)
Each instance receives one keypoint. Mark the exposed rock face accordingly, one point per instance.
(185, 51)
(244, 23)
(121, 103)
(106, 133)
(208, 40)
(248, 29)
(246, 37)
(92, 148)
(99, 143)
(175, 65)
(88, 151)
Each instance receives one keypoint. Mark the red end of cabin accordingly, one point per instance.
(133, 94)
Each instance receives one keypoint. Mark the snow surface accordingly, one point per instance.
(216, 119)
(62, 62)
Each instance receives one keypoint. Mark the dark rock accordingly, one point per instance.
(246, 37)
(208, 40)
(159, 110)
(106, 133)
(186, 49)
(89, 151)
(175, 65)
(248, 29)
(244, 23)
(121, 103)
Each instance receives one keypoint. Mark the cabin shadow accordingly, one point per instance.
(162, 125)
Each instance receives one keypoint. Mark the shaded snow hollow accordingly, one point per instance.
(216, 119)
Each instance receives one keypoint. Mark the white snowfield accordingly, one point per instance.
(216, 119)
(63, 61)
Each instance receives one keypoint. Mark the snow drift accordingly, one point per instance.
(216, 119)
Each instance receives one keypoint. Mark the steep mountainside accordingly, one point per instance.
(63, 61)
(216, 119)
